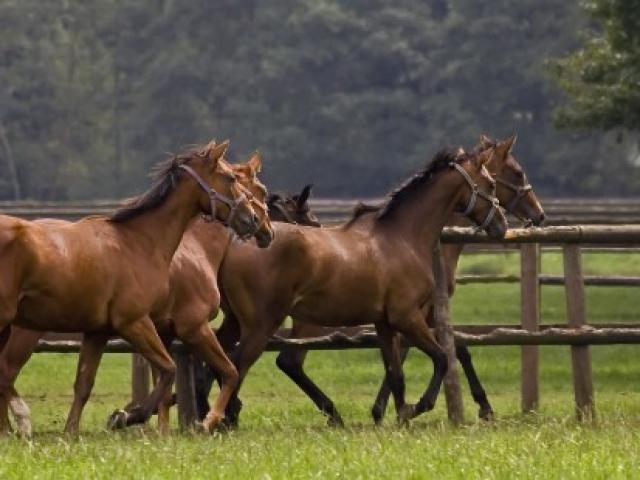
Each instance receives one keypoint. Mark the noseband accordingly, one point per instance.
(475, 193)
(233, 204)
(520, 192)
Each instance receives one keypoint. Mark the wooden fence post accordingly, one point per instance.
(530, 318)
(576, 314)
(444, 335)
(140, 378)
(185, 390)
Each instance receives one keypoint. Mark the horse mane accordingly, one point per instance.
(165, 177)
(417, 182)
(361, 209)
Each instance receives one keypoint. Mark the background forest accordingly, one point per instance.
(351, 95)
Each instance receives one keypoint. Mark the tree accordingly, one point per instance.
(602, 79)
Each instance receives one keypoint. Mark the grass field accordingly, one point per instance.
(282, 436)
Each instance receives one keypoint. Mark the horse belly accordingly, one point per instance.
(337, 310)
(45, 312)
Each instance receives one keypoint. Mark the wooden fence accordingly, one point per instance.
(528, 334)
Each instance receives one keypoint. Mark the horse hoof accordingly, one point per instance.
(335, 422)
(486, 414)
(406, 413)
(117, 420)
(211, 423)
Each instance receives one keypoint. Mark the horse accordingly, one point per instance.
(195, 289)
(517, 196)
(372, 269)
(110, 275)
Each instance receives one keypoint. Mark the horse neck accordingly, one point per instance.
(214, 238)
(421, 218)
(161, 229)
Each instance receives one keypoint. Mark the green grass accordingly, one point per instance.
(282, 436)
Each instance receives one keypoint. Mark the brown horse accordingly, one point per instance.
(517, 196)
(282, 207)
(105, 276)
(373, 269)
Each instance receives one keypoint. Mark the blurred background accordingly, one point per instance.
(352, 95)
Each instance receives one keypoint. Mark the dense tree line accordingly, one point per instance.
(349, 94)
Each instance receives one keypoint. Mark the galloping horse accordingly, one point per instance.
(373, 269)
(110, 275)
(514, 193)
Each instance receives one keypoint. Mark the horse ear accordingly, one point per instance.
(217, 151)
(485, 142)
(512, 141)
(503, 149)
(304, 195)
(485, 157)
(255, 163)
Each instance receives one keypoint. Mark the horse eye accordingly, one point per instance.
(519, 174)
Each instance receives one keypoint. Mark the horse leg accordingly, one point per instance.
(417, 332)
(18, 347)
(394, 376)
(291, 361)
(227, 335)
(90, 355)
(251, 346)
(382, 399)
(204, 344)
(144, 338)
(477, 391)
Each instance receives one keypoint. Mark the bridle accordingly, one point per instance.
(475, 193)
(521, 191)
(214, 196)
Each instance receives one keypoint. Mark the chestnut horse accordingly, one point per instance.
(373, 269)
(514, 193)
(104, 276)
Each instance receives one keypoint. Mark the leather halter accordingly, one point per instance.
(233, 204)
(475, 193)
(520, 192)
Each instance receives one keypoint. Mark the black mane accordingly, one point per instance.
(413, 185)
(165, 178)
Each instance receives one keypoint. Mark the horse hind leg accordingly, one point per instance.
(291, 361)
(18, 347)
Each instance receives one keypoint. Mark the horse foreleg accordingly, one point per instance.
(477, 391)
(382, 399)
(394, 376)
(144, 338)
(90, 355)
(417, 332)
(204, 344)
(291, 361)
(251, 346)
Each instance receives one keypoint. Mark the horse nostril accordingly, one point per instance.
(541, 219)
(255, 219)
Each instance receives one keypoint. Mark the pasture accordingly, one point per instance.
(282, 436)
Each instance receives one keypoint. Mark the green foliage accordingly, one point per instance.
(351, 95)
(601, 79)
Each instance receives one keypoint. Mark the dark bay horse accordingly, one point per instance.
(516, 195)
(374, 269)
(110, 275)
